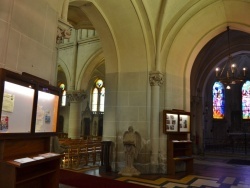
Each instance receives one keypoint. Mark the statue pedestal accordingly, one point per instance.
(129, 171)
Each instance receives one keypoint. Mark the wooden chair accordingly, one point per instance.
(71, 156)
(83, 154)
(94, 151)
(97, 152)
(90, 149)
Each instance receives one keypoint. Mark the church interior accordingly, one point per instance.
(154, 88)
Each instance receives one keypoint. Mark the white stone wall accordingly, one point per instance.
(28, 37)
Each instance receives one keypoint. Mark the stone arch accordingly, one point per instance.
(86, 72)
(66, 71)
(187, 39)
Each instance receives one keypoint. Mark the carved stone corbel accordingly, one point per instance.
(155, 78)
(75, 95)
(63, 31)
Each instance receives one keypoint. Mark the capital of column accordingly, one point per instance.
(63, 31)
(75, 95)
(155, 78)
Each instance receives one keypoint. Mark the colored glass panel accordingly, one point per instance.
(218, 101)
(245, 91)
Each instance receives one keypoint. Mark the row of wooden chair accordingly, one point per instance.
(76, 154)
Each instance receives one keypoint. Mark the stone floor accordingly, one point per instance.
(209, 172)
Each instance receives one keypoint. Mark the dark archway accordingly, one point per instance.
(215, 53)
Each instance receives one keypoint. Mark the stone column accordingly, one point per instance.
(65, 8)
(155, 80)
(75, 98)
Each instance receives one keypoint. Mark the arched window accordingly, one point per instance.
(98, 97)
(245, 92)
(62, 86)
(218, 100)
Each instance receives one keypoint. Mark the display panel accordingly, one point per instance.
(171, 122)
(47, 110)
(176, 121)
(184, 121)
(17, 107)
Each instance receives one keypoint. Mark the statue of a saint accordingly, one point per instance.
(132, 145)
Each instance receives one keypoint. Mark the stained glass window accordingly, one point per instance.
(218, 100)
(245, 91)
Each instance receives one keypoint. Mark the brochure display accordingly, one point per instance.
(28, 120)
(177, 125)
(27, 106)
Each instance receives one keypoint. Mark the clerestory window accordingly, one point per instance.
(98, 97)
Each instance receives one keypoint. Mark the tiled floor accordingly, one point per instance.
(209, 172)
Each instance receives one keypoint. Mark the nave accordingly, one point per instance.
(209, 172)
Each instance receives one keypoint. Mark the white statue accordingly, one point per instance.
(132, 145)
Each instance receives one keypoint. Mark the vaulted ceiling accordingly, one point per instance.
(77, 18)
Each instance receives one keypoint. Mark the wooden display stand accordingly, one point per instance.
(179, 147)
(28, 120)
(179, 150)
(39, 173)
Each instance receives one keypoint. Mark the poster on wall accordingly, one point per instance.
(171, 122)
(47, 108)
(184, 123)
(39, 118)
(8, 102)
(4, 125)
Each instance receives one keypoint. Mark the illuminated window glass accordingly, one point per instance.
(94, 100)
(64, 98)
(245, 91)
(62, 86)
(99, 83)
(218, 101)
(102, 97)
(98, 97)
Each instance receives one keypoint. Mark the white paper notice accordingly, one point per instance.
(24, 160)
(8, 102)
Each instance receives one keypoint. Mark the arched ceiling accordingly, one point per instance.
(189, 35)
(77, 18)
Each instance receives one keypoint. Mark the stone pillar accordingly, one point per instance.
(65, 8)
(155, 80)
(75, 98)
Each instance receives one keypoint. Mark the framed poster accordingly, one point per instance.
(184, 122)
(176, 121)
(171, 122)
(47, 110)
(17, 107)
